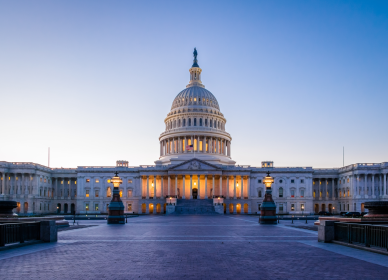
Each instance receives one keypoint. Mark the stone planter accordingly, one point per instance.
(377, 209)
(6, 208)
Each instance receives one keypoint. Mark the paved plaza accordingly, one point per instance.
(190, 247)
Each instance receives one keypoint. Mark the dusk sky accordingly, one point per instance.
(94, 80)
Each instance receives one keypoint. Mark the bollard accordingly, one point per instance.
(126, 218)
(306, 219)
(292, 220)
(278, 219)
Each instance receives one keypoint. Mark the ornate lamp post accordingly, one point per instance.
(116, 206)
(268, 208)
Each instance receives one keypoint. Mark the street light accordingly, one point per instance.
(268, 208)
(116, 206)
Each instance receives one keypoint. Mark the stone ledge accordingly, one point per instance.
(18, 245)
(379, 251)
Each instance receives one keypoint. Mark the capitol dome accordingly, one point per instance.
(195, 126)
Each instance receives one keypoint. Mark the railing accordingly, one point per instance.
(362, 234)
(19, 232)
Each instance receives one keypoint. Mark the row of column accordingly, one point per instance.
(197, 184)
(10, 185)
(204, 144)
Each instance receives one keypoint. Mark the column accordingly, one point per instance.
(161, 148)
(332, 188)
(242, 188)
(385, 184)
(230, 149)
(204, 146)
(234, 187)
(69, 188)
(213, 178)
(176, 186)
(326, 182)
(148, 187)
(319, 188)
(221, 186)
(168, 185)
(3, 184)
(141, 186)
(210, 145)
(199, 187)
(380, 184)
(198, 144)
(161, 187)
(184, 185)
(192, 142)
(206, 197)
(249, 188)
(185, 145)
(227, 187)
(191, 186)
(21, 188)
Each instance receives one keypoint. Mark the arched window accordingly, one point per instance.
(280, 192)
(200, 122)
(174, 123)
(211, 123)
(179, 123)
(184, 122)
(189, 122)
(108, 192)
(259, 193)
(205, 122)
(195, 121)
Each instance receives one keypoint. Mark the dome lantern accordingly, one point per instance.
(195, 73)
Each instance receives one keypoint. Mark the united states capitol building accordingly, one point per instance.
(195, 164)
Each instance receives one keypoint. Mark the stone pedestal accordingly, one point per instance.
(48, 231)
(170, 209)
(326, 231)
(116, 209)
(268, 209)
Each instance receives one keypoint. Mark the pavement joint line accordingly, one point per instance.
(242, 219)
(234, 236)
(359, 254)
(185, 240)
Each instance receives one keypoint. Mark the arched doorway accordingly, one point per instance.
(224, 208)
(164, 208)
(246, 208)
(143, 208)
(18, 207)
(362, 207)
(316, 208)
(66, 208)
(330, 208)
(59, 209)
(25, 207)
(238, 208)
(151, 208)
(195, 193)
(158, 208)
(323, 207)
(231, 208)
(72, 208)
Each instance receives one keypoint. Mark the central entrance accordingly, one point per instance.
(195, 193)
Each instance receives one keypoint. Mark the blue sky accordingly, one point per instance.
(94, 80)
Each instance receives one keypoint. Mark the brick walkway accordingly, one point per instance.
(190, 247)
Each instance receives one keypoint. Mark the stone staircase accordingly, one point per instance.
(195, 207)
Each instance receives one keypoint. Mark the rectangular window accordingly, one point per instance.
(348, 207)
(292, 181)
(87, 206)
(40, 206)
(259, 207)
(61, 182)
(129, 207)
(40, 192)
(129, 181)
(129, 193)
(87, 180)
(302, 193)
(355, 208)
(280, 207)
(97, 181)
(302, 181)
(302, 207)
(87, 193)
(292, 193)
(68, 182)
(75, 182)
(95, 207)
(41, 179)
(45, 180)
(259, 181)
(17, 178)
(96, 193)
(121, 193)
(292, 207)
(44, 193)
(61, 193)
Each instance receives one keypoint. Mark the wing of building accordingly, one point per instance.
(195, 167)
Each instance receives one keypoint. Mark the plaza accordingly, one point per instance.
(191, 247)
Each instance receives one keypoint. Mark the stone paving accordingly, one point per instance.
(190, 247)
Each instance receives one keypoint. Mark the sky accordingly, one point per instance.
(93, 80)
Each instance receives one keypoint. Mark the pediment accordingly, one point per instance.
(194, 164)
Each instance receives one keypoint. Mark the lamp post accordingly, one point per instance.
(116, 206)
(268, 208)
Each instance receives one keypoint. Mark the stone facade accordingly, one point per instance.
(195, 162)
